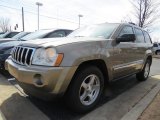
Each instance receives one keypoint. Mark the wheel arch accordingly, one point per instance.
(149, 58)
(98, 63)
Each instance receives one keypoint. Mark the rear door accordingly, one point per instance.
(139, 48)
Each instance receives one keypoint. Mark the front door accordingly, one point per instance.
(124, 55)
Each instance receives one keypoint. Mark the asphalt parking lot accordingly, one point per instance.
(119, 98)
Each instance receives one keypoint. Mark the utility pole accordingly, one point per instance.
(22, 19)
(79, 16)
(38, 4)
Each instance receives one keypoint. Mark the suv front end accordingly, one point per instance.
(38, 71)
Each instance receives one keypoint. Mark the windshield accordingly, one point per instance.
(36, 35)
(102, 30)
(20, 35)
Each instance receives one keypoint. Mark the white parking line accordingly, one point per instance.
(11, 79)
(2, 116)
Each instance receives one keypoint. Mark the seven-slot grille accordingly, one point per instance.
(23, 55)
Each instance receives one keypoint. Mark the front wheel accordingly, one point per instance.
(86, 89)
(143, 75)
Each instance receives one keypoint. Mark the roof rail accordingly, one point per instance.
(132, 23)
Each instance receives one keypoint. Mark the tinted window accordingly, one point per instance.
(36, 35)
(155, 45)
(4, 35)
(20, 35)
(101, 30)
(68, 32)
(139, 36)
(10, 35)
(126, 30)
(147, 37)
(56, 34)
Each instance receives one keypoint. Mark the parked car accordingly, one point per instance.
(8, 35)
(156, 48)
(1, 33)
(79, 66)
(5, 48)
(14, 38)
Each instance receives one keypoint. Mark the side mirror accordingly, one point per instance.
(126, 38)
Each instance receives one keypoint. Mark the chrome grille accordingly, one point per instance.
(23, 55)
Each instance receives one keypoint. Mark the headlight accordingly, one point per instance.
(47, 57)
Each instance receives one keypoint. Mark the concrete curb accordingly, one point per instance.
(2, 116)
(137, 110)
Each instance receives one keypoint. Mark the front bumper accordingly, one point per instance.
(3, 57)
(40, 81)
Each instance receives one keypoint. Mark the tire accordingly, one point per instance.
(158, 52)
(82, 96)
(143, 75)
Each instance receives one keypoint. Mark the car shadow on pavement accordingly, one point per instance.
(118, 87)
(17, 107)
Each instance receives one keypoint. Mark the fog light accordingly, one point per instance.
(38, 81)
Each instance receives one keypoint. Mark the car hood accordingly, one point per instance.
(10, 44)
(6, 39)
(59, 41)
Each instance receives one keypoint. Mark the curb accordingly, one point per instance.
(2, 116)
(136, 111)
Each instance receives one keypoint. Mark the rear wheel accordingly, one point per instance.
(86, 89)
(143, 75)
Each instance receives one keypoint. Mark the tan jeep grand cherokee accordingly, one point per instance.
(79, 66)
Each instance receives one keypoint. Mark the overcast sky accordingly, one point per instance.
(64, 13)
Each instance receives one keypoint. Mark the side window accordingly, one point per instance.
(139, 36)
(126, 30)
(11, 35)
(155, 45)
(68, 32)
(56, 34)
(147, 37)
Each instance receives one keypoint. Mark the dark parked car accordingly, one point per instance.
(1, 33)
(5, 48)
(14, 38)
(8, 35)
(156, 48)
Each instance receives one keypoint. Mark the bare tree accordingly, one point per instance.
(146, 12)
(4, 24)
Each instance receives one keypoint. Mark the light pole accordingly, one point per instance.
(38, 4)
(79, 16)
